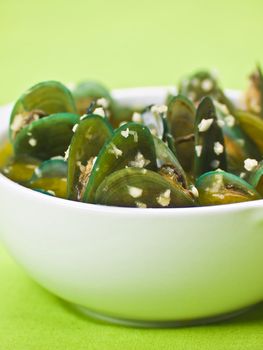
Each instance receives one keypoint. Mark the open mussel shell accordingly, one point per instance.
(20, 169)
(209, 140)
(252, 126)
(256, 178)
(51, 177)
(89, 91)
(180, 119)
(90, 135)
(238, 145)
(167, 162)
(220, 187)
(56, 167)
(55, 186)
(133, 187)
(201, 84)
(41, 100)
(130, 146)
(254, 93)
(46, 137)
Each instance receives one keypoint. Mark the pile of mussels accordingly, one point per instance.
(197, 149)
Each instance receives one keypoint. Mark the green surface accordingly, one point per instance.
(33, 319)
(121, 43)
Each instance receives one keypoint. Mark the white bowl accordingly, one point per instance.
(147, 267)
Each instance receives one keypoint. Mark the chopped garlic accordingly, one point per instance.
(139, 161)
(100, 111)
(140, 205)
(230, 121)
(57, 157)
(194, 191)
(220, 123)
(93, 161)
(217, 184)
(116, 151)
(51, 192)
(38, 172)
(32, 142)
(207, 85)
(75, 127)
(123, 123)
(125, 133)
(103, 102)
(159, 109)
(250, 164)
(215, 163)
(242, 175)
(136, 117)
(67, 153)
(164, 198)
(198, 150)
(218, 148)
(18, 123)
(135, 192)
(6, 170)
(84, 174)
(205, 124)
(134, 134)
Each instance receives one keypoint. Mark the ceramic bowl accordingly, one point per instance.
(144, 267)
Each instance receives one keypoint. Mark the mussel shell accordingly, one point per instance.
(238, 145)
(180, 119)
(45, 98)
(133, 187)
(256, 178)
(220, 187)
(55, 186)
(47, 137)
(206, 138)
(130, 146)
(91, 134)
(20, 169)
(252, 126)
(165, 158)
(88, 91)
(50, 177)
(202, 84)
(254, 94)
(51, 168)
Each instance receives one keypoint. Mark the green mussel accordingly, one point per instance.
(201, 84)
(209, 140)
(180, 120)
(131, 145)
(46, 137)
(41, 100)
(133, 187)
(220, 187)
(89, 137)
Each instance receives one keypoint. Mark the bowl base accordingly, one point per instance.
(159, 324)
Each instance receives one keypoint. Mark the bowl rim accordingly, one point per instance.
(124, 94)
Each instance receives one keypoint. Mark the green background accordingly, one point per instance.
(121, 43)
